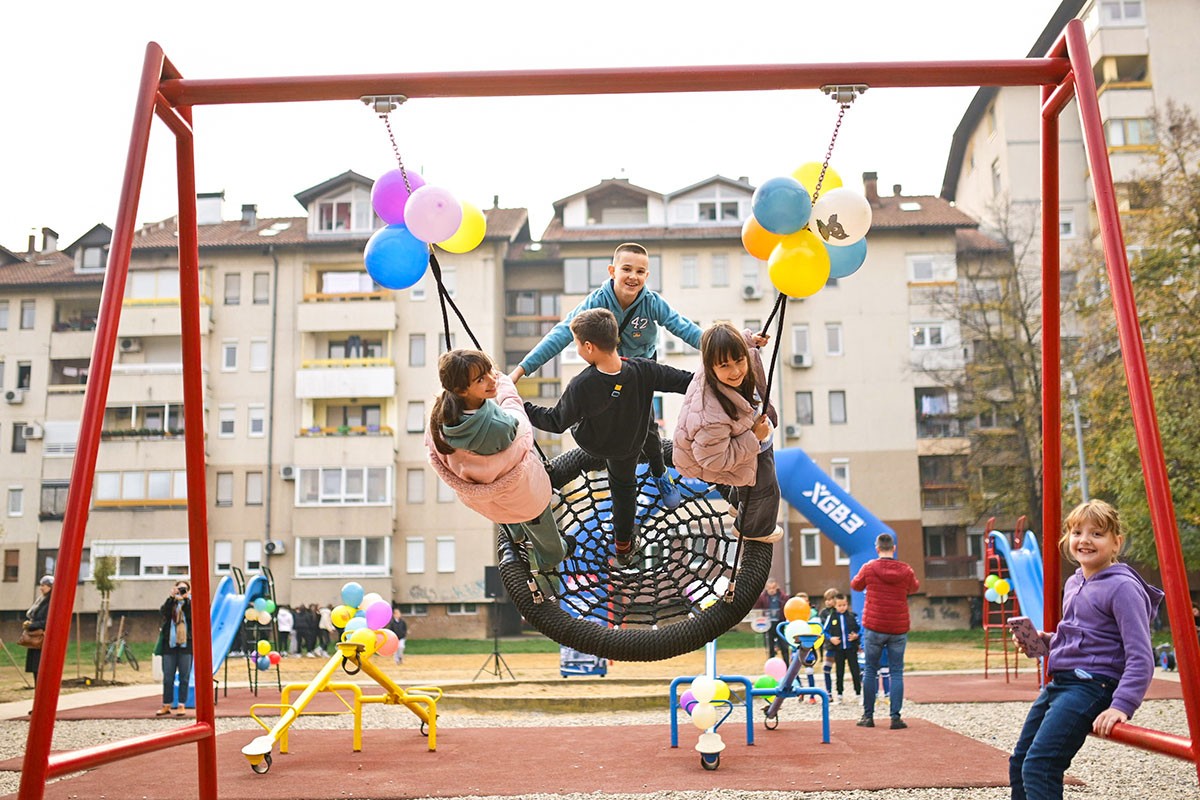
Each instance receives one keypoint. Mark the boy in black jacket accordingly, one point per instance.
(842, 634)
(605, 406)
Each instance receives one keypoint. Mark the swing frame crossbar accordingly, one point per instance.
(1064, 74)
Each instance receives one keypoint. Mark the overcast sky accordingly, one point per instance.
(71, 70)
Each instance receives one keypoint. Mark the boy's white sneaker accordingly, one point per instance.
(768, 538)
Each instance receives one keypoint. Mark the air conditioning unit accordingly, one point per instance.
(130, 345)
(802, 360)
(751, 291)
(791, 431)
(287, 472)
(672, 345)
(32, 431)
(274, 547)
(14, 397)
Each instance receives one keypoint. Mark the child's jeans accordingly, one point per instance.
(875, 644)
(652, 449)
(548, 547)
(758, 505)
(1058, 723)
(842, 657)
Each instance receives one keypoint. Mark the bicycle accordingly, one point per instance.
(118, 650)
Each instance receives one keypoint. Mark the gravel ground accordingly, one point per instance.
(1110, 770)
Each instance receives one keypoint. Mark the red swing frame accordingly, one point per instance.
(1065, 73)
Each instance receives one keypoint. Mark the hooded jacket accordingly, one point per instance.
(639, 336)
(1105, 630)
(507, 486)
(708, 443)
(888, 584)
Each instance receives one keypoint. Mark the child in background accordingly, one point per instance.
(1100, 661)
(640, 311)
(480, 443)
(605, 406)
(724, 431)
(841, 635)
(827, 668)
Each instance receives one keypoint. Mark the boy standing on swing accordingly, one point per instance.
(605, 406)
(638, 311)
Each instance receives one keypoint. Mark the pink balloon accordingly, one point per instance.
(389, 195)
(378, 614)
(775, 667)
(390, 642)
(432, 214)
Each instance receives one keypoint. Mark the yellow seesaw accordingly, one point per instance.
(421, 700)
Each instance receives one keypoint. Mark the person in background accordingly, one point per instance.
(175, 643)
(841, 634)
(285, 623)
(325, 629)
(830, 597)
(35, 620)
(398, 626)
(770, 602)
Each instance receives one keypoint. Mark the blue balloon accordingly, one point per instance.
(782, 205)
(352, 594)
(260, 604)
(355, 623)
(264, 663)
(992, 596)
(395, 258)
(845, 261)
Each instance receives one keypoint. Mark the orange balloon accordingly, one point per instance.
(758, 241)
(796, 608)
(799, 265)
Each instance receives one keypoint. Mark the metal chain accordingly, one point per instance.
(387, 123)
(829, 153)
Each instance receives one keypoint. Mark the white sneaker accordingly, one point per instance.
(841, 699)
(769, 538)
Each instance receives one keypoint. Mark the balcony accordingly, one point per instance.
(137, 450)
(540, 388)
(71, 343)
(328, 313)
(953, 567)
(138, 384)
(313, 449)
(158, 317)
(332, 378)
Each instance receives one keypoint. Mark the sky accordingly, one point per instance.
(72, 69)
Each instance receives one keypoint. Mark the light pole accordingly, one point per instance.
(1073, 393)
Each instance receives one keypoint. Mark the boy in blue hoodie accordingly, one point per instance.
(639, 311)
(1100, 660)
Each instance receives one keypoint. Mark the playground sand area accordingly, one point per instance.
(1104, 768)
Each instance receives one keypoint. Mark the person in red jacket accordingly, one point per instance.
(888, 582)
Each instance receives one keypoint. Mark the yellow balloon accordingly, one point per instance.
(365, 637)
(799, 265)
(470, 231)
(722, 691)
(808, 173)
(1001, 586)
(264, 647)
(341, 615)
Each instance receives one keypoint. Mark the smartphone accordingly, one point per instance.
(1027, 634)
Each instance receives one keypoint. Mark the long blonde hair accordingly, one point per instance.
(1097, 512)
(457, 370)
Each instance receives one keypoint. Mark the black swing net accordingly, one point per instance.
(694, 578)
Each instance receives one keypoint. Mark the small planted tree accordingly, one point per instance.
(104, 570)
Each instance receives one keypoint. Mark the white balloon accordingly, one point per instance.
(370, 599)
(704, 689)
(704, 716)
(841, 217)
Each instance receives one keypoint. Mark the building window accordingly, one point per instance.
(810, 547)
(837, 407)
(260, 355)
(16, 501)
(581, 275)
(927, 335)
(413, 609)
(224, 489)
(444, 493)
(725, 211)
(153, 284)
(24, 374)
(233, 288)
(804, 408)
(416, 350)
(222, 557)
(800, 340)
(3, 315)
(334, 215)
(137, 487)
(1121, 132)
(414, 555)
(254, 488)
(226, 422)
(689, 272)
(461, 609)
(840, 557)
(997, 179)
(12, 565)
(415, 486)
(28, 314)
(839, 470)
(18, 437)
(445, 554)
(415, 422)
(1121, 12)
(141, 559)
(252, 552)
(262, 288)
(229, 356)
(358, 282)
(1066, 223)
(344, 486)
(720, 270)
(346, 555)
(257, 420)
(54, 499)
(833, 339)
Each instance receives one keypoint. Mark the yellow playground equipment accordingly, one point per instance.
(421, 700)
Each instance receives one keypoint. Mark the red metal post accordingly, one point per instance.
(1141, 398)
(35, 767)
(1051, 377)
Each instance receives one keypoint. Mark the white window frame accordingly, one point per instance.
(833, 405)
(719, 269)
(264, 298)
(840, 557)
(360, 568)
(222, 557)
(255, 488)
(232, 280)
(158, 560)
(923, 334)
(226, 418)
(414, 555)
(1066, 223)
(839, 470)
(414, 421)
(931, 267)
(28, 315)
(256, 414)
(229, 355)
(444, 493)
(810, 536)
(414, 486)
(342, 496)
(801, 340)
(224, 489)
(16, 501)
(834, 339)
(252, 553)
(416, 349)
(689, 271)
(446, 554)
(462, 609)
(260, 355)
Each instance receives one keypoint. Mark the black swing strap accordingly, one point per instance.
(444, 298)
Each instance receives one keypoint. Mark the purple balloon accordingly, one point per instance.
(389, 195)
(378, 615)
(687, 701)
(432, 214)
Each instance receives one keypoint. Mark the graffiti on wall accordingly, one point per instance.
(469, 592)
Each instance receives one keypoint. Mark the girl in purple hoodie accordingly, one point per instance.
(1100, 660)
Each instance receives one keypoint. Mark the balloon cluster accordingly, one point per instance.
(363, 617)
(806, 243)
(417, 215)
(996, 589)
(773, 671)
(267, 656)
(260, 610)
(702, 699)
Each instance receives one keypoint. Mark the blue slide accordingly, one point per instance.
(831, 508)
(228, 613)
(1025, 574)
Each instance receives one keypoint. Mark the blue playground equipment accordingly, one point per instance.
(228, 613)
(1025, 573)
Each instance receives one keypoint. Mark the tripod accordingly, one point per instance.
(16, 666)
(493, 663)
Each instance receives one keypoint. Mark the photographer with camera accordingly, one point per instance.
(175, 644)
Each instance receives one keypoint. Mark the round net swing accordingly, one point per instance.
(686, 588)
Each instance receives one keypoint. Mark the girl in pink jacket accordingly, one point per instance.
(724, 431)
(481, 444)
